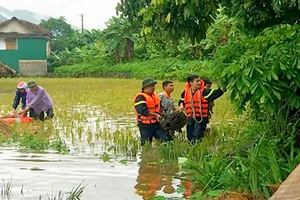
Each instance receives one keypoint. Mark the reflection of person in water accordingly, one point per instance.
(154, 177)
(190, 188)
(188, 185)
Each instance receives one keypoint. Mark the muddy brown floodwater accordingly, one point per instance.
(43, 175)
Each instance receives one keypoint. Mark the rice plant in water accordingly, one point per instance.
(74, 194)
(6, 189)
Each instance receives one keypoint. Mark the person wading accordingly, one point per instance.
(148, 113)
(172, 120)
(167, 102)
(211, 104)
(195, 100)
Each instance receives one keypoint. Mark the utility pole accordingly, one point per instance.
(82, 23)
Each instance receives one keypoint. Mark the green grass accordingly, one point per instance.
(170, 68)
(36, 142)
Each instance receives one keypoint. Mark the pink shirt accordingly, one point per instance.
(38, 100)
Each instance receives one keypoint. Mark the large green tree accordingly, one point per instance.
(131, 8)
(172, 19)
(262, 72)
(260, 14)
(61, 32)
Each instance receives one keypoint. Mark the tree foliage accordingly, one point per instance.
(175, 19)
(260, 14)
(61, 32)
(263, 70)
(223, 30)
(119, 38)
(80, 47)
(131, 8)
(79, 40)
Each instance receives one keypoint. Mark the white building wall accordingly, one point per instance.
(2, 44)
(48, 48)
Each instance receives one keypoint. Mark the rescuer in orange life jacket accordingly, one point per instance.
(195, 101)
(148, 113)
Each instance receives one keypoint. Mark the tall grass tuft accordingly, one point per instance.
(76, 192)
(59, 196)
(6, 189)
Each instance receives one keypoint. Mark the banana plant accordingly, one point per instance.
(119, 38)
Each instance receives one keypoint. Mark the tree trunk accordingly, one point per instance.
(117, 56)
(298, 11)
(130, 49)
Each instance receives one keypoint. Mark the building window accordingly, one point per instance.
(11, 43)
(2, 44)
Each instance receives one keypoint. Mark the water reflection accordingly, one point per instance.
(189, 188)
(31, 180)
(154, 177)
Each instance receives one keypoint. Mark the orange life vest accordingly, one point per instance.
(166, 94)
(195, 105)
(153, 105)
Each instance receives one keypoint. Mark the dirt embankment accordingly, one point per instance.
(6, 71)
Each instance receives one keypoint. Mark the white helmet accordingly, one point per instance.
(22, 85)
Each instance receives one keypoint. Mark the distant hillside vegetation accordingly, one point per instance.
(32, 17)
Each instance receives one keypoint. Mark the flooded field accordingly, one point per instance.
(91, 144)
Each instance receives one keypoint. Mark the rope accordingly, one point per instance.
(193, 108)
